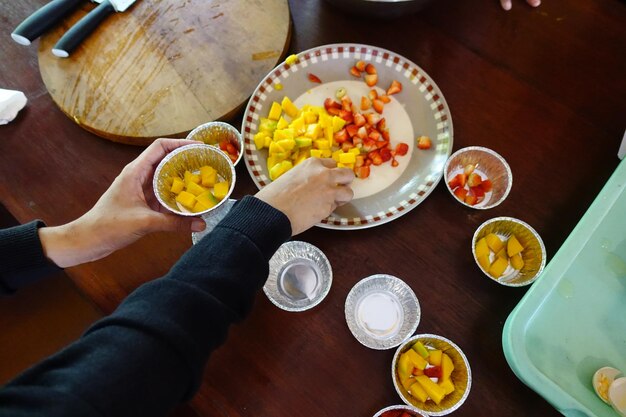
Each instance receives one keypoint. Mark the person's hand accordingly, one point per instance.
(309, 192)
(506, 4)
(127, 211)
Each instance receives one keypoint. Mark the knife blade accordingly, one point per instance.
(77, 33)
(43, 19)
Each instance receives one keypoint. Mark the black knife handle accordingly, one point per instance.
(82, 29)
(42, 20)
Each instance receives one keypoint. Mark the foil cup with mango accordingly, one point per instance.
(191, 158)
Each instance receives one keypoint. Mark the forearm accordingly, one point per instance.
(149, 354)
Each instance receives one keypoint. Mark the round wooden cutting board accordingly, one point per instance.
(164, 67)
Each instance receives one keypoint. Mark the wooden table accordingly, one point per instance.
(544, 87)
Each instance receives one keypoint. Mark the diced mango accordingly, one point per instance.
(421, 349)
(298, 126)
(195, 189)
(309, 117)
(434, 391)
(300, 158)
(498, 267)
(287, 144)
(189, 177)
(517, 262)
(328, 134)
(313, 131)
(279, 169)
(434, 357)
(289, 107)
(405, 366)
(336, 154)
(188, 200)
(208, 176)
(271, 162)
(418, 392)
(446, 385)
(280, 134)
(275, 111)
(447, 366)
(494, 242)
(481, 248)
(347, 158)
(502, 254)
(407, 382)
(324, 120)
(316, 153)
(268, 141)
(276, 148)
(326, 153)
(282, 123)
(177, 185)
(221, 190)
(259, 140)
(417, 360)
(207, 199)
(513, 247)
(338, 123)
(484, 262)
(267, 125)
(322, 144)
(355, 151)
(199, 206)
(303, 142)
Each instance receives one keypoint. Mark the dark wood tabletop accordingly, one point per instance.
(543, 87)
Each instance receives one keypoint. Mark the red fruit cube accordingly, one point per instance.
(433, 372)
(487, 185)
(360, 65)
(474, 179)
(366, 103)
(362, 172)
(371, 79)
(471, 199)
(402, 149)
(378, 105)
(457, 181)
(395, 88)
(370, 69)
(355, 72)
(477, 191)
(423, 142)
(314, 78)
(460, 193)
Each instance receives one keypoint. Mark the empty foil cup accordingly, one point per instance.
(411, 411)
(382, 311)
(300, 277)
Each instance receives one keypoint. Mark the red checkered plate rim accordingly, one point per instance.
(421, 98)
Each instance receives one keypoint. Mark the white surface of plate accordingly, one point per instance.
(421, 105)
(382, 311)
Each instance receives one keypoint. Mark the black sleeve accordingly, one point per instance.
(22, 260)
(149, 355)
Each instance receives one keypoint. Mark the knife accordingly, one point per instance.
(42, 20)
(77, 33)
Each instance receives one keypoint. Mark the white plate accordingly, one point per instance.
(419, 109)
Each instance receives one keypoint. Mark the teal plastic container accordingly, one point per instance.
(572, 321)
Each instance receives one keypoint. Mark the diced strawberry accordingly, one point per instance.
(457, 181)
(487, 185)
(359, 119)
(333, 111)
(362, 172)
(355, 72)
(346, 103)
(385, 134)
(366, 103)
(360, 65)
(230, 148)
(394, 88)
(394, 163)
(346, 115)
(385, 99)
(382, 144)
(362, 132)
(477, 191)
(341, 136)
(474, 179)
(376, 158)
(360, 161)
(369, 145)
(469, 168)
(372, 118)
(370, 69)
(330, 103)
(382, 124)
(373, 94)
(378, 105)
(385, 154)
(368, 161)
(346, 146)
(470, 199)
(352, 129)
(356, 140)
(402, 149)
(423, 142)
(314, 78)
(371, 79)
(433, 372)
(223, 145)
(374, 135)
(405, 414)
(460, 193)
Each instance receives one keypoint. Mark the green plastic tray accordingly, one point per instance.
(572, 321)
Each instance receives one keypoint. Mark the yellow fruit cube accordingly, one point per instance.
(356, 151)
(418, 392)
(189, 177)
(513, 247)
(494, 242)
(347, 158)
(303, 142)
(198, 207)
(275, 148)
(481, 248)
(207, 199)
(268, 141)
(502, 254)
(259, 140)
(187, 200)
(498, 267)
(280, 169)
(405, 366)
(221, 190)
(434, 391)
(291, 59)
(328, 134)
(338, 123)
(407, 382)
(298, 126)
(322, 144)
(301, 157)
(447, 366)
(326, 153)
(271, 162)
(446, 385)
(435, 357)
(289, 107)
(484, 262)
(335, 155)
(282, 123)
(275, 111)
(208, 176)
(280, 134)
(287, 144)
(195, 189)
(267, 125)
(517, 262)
(177, 185)
(316, 153)
(309, 117)
(324, 120)
(417, 361)
(313, 131)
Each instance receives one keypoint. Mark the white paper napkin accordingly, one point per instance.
(11, 102)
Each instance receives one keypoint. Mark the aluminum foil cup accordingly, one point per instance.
(190, 158)
(534, 253)
(413, 412)
(461, 375)
(382, 311)
(489, 165)
(213, 133)
(300, 277)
